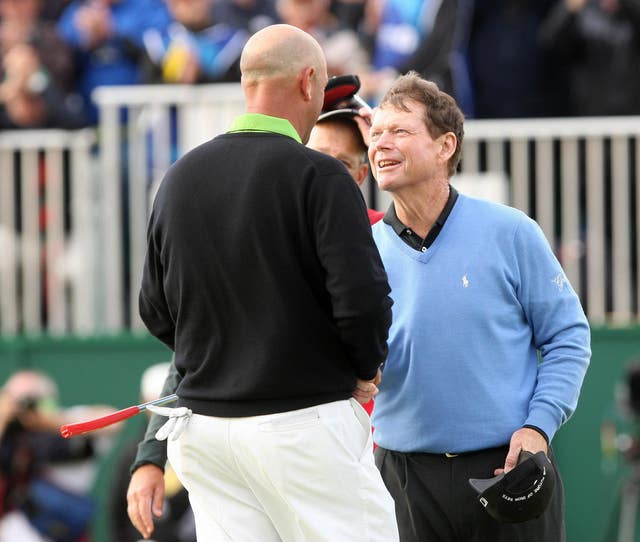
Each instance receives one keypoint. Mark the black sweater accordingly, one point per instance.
(262, 275)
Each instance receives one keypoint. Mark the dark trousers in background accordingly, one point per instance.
(435, 503)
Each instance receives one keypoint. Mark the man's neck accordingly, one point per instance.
(269, 99)
(418, 207)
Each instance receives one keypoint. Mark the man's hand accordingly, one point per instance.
(144, 496)
(523, 439)
(366, 389)
(363, 120)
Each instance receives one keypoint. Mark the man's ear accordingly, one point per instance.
(306, 82)
(448, 145)
(363, 170)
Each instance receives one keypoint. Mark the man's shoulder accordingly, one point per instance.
(491, 210)
(241, 143)
(271, 149)
(326, 166)
(503, 220)
(320, 158)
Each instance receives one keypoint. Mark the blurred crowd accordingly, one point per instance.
(498, 58)
(50, 486)
(46, 481)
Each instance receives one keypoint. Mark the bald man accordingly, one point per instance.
(262, 276)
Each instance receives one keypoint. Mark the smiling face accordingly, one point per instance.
(402, 152)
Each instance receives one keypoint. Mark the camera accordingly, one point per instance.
(28, 403)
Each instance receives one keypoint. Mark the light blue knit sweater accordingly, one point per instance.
(470, 316)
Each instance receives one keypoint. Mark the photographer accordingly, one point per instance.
(36, 500)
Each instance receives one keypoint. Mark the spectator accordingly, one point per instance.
(52, 9)
(176, 523)
(350, 12)
(45, 480)
(415, 34)
(340, 44)
(252, 15)
(194, 48)
(598, 42)
(511, 75)
(441, 55)
(37, 71)
(107, 37)
(402, 26)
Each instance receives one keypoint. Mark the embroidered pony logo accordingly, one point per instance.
(560, 281)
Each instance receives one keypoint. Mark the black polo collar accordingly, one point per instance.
(409, 236)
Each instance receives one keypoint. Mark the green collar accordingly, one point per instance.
(257, 122)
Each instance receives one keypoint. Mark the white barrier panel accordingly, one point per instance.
(162, 123)
(46, 233)
(576, 177)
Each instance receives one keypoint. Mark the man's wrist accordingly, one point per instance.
(142, 463)
(537, 429)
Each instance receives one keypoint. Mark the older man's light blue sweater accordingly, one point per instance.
(470, 316)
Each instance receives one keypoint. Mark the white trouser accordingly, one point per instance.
(301, 476)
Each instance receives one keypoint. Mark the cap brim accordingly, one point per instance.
(349, 113)
(482, 484)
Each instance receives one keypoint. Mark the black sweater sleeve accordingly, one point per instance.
(355, 277)
(152, 302)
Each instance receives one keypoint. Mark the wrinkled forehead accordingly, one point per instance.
(411, 113)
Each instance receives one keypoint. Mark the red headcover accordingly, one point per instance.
(340, 88)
